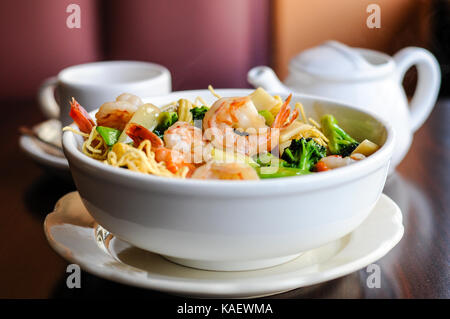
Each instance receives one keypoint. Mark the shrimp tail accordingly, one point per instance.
(293, 117)
(138, 134)
(281, 121)
(283, 114)
(81, 117)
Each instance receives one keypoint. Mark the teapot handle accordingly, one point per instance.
(428, 81)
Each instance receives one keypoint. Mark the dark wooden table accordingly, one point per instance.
(418, 267)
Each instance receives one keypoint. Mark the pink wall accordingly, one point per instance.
(36, 42)
(200, 41)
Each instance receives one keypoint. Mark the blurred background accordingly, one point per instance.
(202, 42)
(215, 42)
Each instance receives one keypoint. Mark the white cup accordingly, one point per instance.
(93, 84)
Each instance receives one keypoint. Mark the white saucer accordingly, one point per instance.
(31, 147)
(73, 233)
(52, 160)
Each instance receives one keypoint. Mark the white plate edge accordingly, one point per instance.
(246, 289)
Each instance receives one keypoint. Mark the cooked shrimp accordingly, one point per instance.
(173, 159)
(186, 139)
(131, 98)
(115, 114)
(234, 123)
(81, 117)
(214, 170)
(357, 156)
(333, 161)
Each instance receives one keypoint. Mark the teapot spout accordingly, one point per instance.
(265, 77)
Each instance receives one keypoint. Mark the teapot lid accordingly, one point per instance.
(334, 60)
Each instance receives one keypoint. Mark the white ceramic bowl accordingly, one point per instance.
(236, 225)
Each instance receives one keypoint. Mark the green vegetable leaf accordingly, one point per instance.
(165, 120)
(280, 172)
(109, 135)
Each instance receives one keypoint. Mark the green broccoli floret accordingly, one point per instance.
(339, 142)
(165, 120)
(303, 154)
(198, 113)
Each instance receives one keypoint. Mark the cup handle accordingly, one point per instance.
(46, 98)
(428, 81)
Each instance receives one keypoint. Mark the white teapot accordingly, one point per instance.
(366, 79)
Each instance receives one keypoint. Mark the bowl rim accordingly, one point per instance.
(276, 185)
(161, 73)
